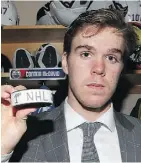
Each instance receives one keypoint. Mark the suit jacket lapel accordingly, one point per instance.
(124, 128)
(55, 144)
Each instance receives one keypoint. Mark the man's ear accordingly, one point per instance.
(65, 63)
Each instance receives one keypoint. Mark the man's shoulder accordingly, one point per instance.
(128, 120)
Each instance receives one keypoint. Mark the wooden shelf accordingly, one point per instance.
(12, 27)
(135, 90)
(4, 75)
(134, 72)
(133, 79)
(35, 33)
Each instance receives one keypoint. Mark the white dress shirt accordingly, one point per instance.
(105, 139)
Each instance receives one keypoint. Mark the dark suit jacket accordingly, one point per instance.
(46, 138)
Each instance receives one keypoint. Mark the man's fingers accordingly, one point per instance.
(6, 90)
(22, 113)
(20, 87)
(5, 95)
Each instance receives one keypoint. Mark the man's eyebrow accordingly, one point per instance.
(115, 50)
(86, 47)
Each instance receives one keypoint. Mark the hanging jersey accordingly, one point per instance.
(130, 9)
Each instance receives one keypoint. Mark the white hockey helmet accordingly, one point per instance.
(9, 14)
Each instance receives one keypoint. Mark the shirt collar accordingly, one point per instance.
(73, 119)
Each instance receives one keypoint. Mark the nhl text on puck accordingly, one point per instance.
(32, 98)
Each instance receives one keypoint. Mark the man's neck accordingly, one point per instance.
(88, 113)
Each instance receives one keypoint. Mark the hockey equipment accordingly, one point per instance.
(131, 10)
(65, 12)
(44, 16)
(5, 63)
(61, 12)
(47, 56)
(23, 59)
(32, 97)
(134, 61)
(9, 14)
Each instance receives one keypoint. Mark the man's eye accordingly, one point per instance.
(85, 54)
(112, 59)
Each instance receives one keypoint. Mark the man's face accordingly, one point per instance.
(94, 66)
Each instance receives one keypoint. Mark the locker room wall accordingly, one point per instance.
(27, 11)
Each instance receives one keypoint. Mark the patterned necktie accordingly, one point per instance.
(89, 152)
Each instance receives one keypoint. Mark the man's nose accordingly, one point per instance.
(98, 67)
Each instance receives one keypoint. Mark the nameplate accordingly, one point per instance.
(37, 74)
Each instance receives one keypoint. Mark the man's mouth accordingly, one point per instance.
(95, 85)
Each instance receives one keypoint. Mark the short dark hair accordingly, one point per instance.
(102, 18)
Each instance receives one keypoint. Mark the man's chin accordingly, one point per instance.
(96, 107)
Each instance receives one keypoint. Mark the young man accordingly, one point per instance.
(95, 48)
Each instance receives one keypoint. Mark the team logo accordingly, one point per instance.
(15, 74)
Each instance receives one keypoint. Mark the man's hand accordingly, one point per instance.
(13, 121)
